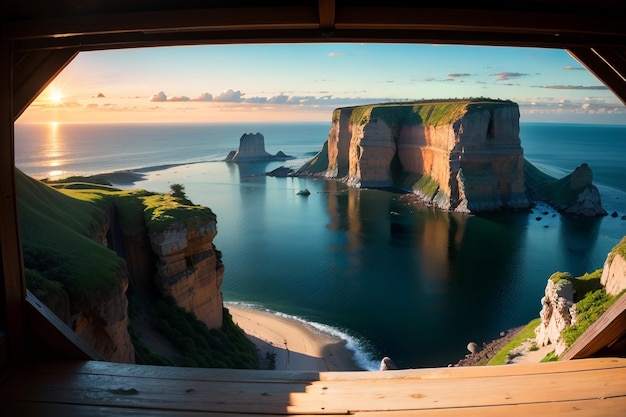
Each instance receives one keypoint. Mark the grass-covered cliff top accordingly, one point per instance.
(422, 112)
(60, 226)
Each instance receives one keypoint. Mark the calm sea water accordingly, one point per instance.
(414, 284)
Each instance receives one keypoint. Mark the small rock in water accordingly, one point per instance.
(472, 347)
(387, 364)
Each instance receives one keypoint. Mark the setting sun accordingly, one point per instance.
(56, 97)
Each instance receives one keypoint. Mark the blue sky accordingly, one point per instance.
(305, 82)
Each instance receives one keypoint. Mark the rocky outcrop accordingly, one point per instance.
(104, 325)
(467, 151)
(614, 271)
(573, 194)
(252, 148)
(190, 269)
(558, 312)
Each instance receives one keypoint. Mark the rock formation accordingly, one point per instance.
(557, 313)
(190, 269)
(573, 194)
(614, 271)
(461, 155)
(252, 148)
(104, 325)
(458, 155)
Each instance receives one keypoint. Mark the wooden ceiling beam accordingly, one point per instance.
(167, 22)
(327, 16)
(607, 68)
(473, 20)
(34, 71)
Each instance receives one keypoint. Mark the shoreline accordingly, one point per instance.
(287, 344)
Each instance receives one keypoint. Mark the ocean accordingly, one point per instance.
(415, 284)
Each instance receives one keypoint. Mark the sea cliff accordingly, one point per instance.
(86, 246)
(461, 155)
(458, 155)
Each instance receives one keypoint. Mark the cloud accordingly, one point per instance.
(161, 96)
(279, 99)
(573, 87)
(204, 97)
(229, 96)
(100, 95)
(332, 54)
(570, 68)
(256, 100)
(454, 76)
(504, 76)
(179, 98)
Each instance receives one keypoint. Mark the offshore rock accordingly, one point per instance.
(252, 148)
(557, 313)
(189, 268)
(461, 155)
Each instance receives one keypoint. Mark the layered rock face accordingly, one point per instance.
(614, 271)
(470, 149)
(190, 270)
(557, 313)
(104, 325)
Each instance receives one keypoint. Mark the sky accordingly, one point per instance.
(306, 82)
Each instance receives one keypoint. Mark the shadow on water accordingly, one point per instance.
(578, 236)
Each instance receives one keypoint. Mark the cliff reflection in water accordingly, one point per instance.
(416, 283)
(426, 281)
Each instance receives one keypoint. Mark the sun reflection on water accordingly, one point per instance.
(53, 150)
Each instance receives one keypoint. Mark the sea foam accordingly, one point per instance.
(361, 348)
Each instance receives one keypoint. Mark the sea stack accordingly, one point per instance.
(252, 148)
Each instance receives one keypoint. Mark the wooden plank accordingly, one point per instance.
(602, 333)
(604, 407)
(317, 397)
(464, 392)
(481, 371)
(607, 407)
(168, 372)
(141, 392)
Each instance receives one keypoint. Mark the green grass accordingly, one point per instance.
(588, 310)
(69, 269)
(619, 249)
(64, 229)
(528, 332)
(423, 112)
(426, 185)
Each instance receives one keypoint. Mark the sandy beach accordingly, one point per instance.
(294, 345)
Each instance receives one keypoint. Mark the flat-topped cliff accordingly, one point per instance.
(462, 155)
(459, 155)
(120, 266)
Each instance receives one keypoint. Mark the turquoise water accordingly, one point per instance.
(415, 284)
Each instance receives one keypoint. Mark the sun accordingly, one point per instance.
(56, 97)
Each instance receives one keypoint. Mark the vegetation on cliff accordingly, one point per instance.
(194, 343)
(591, 302)
(423, 112)
(63, 262)
(69, 268)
